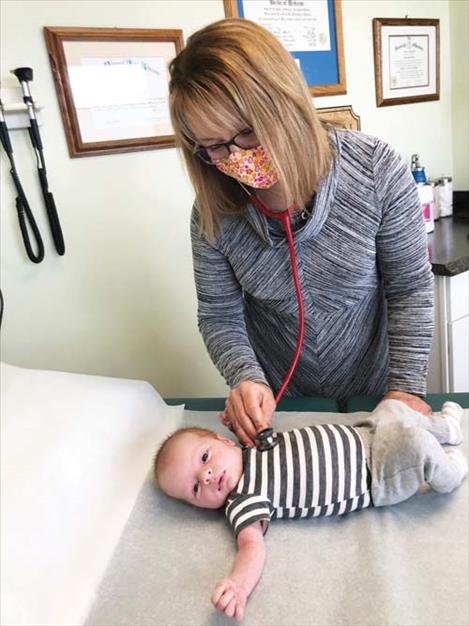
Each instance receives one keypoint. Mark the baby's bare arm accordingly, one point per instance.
(231, 593)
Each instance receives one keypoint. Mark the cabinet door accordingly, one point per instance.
(457, 296)
(458, 335)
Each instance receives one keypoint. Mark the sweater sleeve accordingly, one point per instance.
(220, 312)
(405, 270)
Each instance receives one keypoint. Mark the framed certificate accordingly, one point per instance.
(311, 30)
(112, 86)
(407, 60)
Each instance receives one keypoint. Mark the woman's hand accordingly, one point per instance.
(414, 402)
(229, 598)
(248, 410)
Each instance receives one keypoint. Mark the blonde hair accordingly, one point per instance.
(161, 457)
(236, 70)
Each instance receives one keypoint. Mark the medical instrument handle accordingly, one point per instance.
(52, 214)
(34, 133)
(25, 215)
(5, 138)
(25, 75)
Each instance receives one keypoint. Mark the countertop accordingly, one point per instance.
(448, 246)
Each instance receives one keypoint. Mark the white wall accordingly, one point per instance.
(424, 128)
(121, 302)
(459, 27)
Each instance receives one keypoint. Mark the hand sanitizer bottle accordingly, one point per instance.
(418, 171)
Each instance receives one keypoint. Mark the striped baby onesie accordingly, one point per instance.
(311, 472)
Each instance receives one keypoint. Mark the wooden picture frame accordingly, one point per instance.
(90, 68)
(343, 117)
(407, 60)
(324, 70)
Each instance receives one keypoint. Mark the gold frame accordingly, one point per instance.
(378, 23)
(55, 38)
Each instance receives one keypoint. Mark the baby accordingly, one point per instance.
(315, 471)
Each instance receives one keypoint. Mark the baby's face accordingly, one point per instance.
(201, 470)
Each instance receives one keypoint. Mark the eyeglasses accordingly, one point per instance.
(221, 151)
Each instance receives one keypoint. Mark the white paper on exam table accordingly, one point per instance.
(404, 565)
(75, 451)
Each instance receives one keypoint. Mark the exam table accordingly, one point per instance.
(87, 539)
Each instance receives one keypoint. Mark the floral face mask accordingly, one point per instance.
(251, 167)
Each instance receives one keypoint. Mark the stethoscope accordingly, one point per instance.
(266, 439)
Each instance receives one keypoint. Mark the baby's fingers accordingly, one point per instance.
(218, 592)
(225, 600)
(239, 612)
(230, 608)
(222, 594)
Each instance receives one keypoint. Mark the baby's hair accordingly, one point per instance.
(161, 456)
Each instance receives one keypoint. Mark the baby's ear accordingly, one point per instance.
(229, 442)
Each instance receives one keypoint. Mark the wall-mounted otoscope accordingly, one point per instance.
(25, 75)
(25, 215)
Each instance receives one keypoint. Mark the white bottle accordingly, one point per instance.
(426, 202)
(434, 182)
(446, 196)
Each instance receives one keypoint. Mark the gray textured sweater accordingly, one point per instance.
(366, 280)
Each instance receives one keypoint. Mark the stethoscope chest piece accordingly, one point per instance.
(266, 439)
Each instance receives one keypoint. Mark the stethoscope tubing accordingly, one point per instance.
(284, 217)
(301, 311)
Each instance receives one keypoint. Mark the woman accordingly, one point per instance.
(244, 119)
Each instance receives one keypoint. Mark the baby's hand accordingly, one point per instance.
(229, 598)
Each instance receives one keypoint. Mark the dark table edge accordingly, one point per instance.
(358, 403)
